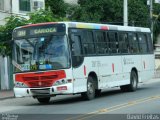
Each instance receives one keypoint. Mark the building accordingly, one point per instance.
(18, 7)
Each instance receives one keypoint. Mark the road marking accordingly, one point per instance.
(114, 108)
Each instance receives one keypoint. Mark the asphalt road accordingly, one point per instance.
(111, 104)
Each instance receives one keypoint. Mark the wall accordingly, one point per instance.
(4, 73)
(12, 7)
(4, 13)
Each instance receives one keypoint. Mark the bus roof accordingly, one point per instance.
(105, 26)
(93, 26)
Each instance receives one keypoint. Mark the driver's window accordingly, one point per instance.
(77, 57)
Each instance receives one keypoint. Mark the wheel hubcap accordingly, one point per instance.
(90, 88)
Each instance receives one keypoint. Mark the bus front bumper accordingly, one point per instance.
(45, 91)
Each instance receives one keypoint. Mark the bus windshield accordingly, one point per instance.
(41, 53)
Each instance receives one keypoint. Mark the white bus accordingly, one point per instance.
(60, 58)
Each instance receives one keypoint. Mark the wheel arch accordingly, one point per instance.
(95, 78)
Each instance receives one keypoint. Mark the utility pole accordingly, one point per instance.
(125, 12)
(150, 3)
(11, 9)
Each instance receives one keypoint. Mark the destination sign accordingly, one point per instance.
(21, 33)
(43, 30)
(38, 30)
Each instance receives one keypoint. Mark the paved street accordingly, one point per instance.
(112, 101)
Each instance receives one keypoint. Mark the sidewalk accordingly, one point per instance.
(6, 94)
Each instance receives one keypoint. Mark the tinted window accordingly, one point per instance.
(142, 43)
(149, 42)
(100, 42)
(88, 44)
(106, 43)
(76, 46)
(133, 43)
(113, 43)
(77, 57)
(123, 43)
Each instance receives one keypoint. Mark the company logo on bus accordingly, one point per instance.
(39, 83)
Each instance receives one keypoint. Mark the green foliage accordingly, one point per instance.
(16, 21)
(138, 13)
(156, 30)
(111, 11)
(43, 16)
(58, 7)
(6, 33)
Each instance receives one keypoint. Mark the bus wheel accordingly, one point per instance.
(133, 83)
(43, 100)
(90, 94)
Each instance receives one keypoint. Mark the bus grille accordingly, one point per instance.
(47, 83)
(40, 79)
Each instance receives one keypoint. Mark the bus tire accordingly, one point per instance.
(133, 83)
(43, 100)
(90, 93)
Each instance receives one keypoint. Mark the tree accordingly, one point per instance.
(138, 13)
(58, 7)
(111, 11)
(156, 21)
(6, 33)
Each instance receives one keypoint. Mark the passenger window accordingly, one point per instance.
(150, 44)
(100, 42)
(133, 43)
(142, 43)
(88, 43)
(106, 43)
(123, 43)
(113, 43)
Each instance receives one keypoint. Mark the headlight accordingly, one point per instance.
(20, 85)
(62, 81)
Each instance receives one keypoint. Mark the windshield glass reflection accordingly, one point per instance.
(43, 53)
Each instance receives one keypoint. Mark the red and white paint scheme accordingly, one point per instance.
(79, 58)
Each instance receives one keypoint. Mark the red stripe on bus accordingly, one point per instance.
(144, 64)
(39, 24)
(84, 70)
(104, 28)
(112, 67)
